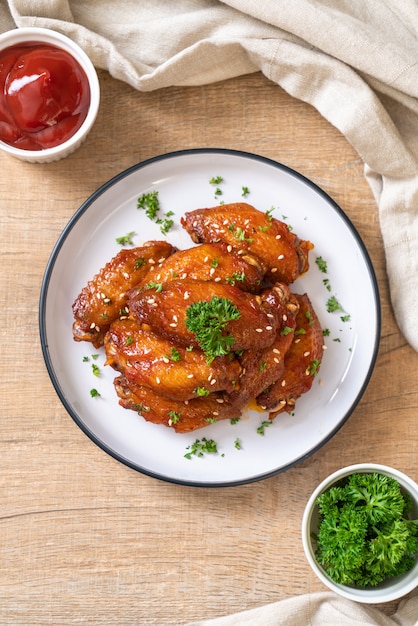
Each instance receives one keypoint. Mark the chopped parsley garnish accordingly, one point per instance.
(126, 240)
(165, 224)
(201, 391)
(236, 277)
(141, 408)
(245, 191)
(207, 320)
(237, 444)
(94, 393)
(333, 305)
(150, 203)
(216, 180)
(96, 369)
(235, 420)
(263, 426)
(139, 263)
(174, 417)
(345, 318)
(174, 355)
(200, 447)
(239, 233)
(314, 367)
(286, 330)
(153, 285)
(128, 341)
(322, 265)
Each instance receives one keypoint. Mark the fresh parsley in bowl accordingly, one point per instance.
(360, 533)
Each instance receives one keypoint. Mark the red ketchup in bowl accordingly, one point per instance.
(44, 96)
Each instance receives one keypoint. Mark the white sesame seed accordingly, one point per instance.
(258, 330)
(165, 359)
(175, 318)
(269, 327)
(220, 400)
(284, 318)
(157, 380)
(186, 295)
(92, 325)
(276, 360)
(283, 383)
(184, 275)
(225, 223)
(212, 271)
(229, 248)
(151, 261)
(276, 350)
(97, 329)
(190, 375)
(280, 257)
(278, 236)
(173, 325)
(215, 412)
(213, 381)
(205, 260)
(195, 224)
(307, 353)
(273, 270)
(217, 279)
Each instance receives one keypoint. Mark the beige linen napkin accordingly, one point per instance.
(355, 62)
(319, 609)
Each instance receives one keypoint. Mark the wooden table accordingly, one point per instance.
(85, 539)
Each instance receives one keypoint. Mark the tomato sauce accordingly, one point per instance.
(44, 96)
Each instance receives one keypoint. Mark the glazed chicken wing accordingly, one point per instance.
(211, 261)
(261, 368)
(165, 311)
(283, 255)
(301, 365)
(174, 372)
(183, 417)
(104, 298)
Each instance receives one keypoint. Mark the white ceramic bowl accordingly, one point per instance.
(388, 590)
(46, 36)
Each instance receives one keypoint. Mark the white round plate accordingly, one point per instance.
(246, 453)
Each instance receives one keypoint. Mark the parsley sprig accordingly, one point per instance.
(207, 321)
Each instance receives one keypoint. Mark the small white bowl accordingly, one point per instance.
(386, 591)
(28, 35)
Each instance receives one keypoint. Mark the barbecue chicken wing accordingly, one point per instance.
(165, 311)
(174, 372)
(283, 255)
(212, 261)
(104, 298)
(302, 362)
(261, 368)
(183, 417)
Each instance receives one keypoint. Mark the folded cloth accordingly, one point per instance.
(355, 62)
(320, 609)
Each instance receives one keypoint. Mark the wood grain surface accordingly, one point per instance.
(86, 540)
